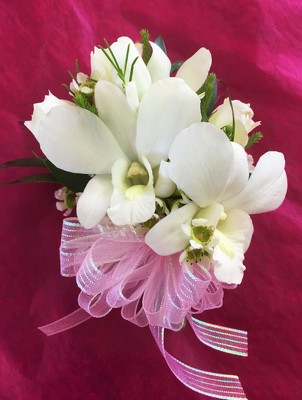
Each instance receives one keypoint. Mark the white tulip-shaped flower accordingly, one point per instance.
(213, 172)
(135, 76)
(125, 150)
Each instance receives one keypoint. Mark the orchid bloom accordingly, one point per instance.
(194, 70)
(125, 150)
(214, 173)
(125, 147)
(128, 57)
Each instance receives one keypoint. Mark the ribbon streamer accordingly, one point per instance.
(115, 268)
(211, 384)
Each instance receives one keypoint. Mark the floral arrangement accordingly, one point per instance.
(158, 169)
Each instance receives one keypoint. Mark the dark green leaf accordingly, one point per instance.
(33, 178)
(228, 130)
(207, 103)
(70, 200)
(74, 182)
(160, 42)
(24, 162)
(175, 66)
(254, 138)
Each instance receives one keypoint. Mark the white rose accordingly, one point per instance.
(222, 116)
(40, 110)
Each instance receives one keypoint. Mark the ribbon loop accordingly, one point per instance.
(114, 268)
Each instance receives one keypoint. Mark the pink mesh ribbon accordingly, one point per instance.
(114, 268)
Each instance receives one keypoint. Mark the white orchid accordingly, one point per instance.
(243, 115)
(140, 111)
(127, 54)
(134, 75)
(214, 173)
(124, 149)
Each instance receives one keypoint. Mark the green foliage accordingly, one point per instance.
(83, 101)
(113, 61)
(70, 200)
(254, 138)
(208, 101)
(147, 49)
(74, 182)
(24, 162)
(228, 130)
(175, 66)
(34, 178)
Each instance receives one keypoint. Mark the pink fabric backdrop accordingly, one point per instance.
(256, 47)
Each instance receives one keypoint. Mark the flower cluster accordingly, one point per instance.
(156, 150)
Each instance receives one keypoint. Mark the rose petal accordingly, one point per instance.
(41, 109)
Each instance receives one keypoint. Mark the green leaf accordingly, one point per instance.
(68, 89)
(175, 66)
(160, 43)
(24, 162)
(74, 182)
(207, 103)
(70, 200)
(34, 178)
(147, 49)
(254, 138)
(83, 101)
(228, 130)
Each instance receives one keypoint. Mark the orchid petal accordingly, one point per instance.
(101, 68)
(235, 234)
(201, 162)
(209, 216)
(159, 65)
(76, 140)
(132, 96)
(41, 109)
(195, 70)
(166, 108)
(134, 204)
(266, 188)
(167, 236)
(164, 186)
(239, 174)
(141, 74)
(116, 113)
(93, 203)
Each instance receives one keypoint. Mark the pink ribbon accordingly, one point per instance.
(115, 268)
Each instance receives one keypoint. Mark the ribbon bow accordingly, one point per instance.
(115, 268)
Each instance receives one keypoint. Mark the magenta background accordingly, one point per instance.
(256, 48)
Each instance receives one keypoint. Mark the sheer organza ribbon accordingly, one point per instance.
(115, 268)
